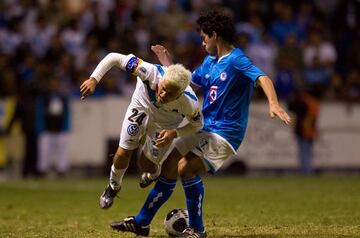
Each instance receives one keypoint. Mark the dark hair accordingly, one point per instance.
(219, 22)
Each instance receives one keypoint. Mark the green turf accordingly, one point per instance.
(287, 206)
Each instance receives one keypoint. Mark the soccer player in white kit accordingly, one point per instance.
(161, 100)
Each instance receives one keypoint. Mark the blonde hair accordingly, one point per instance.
(178, 76)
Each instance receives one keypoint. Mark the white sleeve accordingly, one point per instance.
(191, 127)
(110, 60)
(129, 63)
(148, 72)
(195, 120)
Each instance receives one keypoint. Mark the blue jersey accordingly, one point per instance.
(227, 85)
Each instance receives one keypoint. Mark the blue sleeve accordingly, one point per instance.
(247, 68)
(197, 77)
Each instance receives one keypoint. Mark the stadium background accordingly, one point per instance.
(302, 44)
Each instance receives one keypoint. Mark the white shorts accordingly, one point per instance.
(210, 147)
(134, 126)
(155, 154)
(138, 129)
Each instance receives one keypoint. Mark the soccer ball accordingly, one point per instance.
(176, 221)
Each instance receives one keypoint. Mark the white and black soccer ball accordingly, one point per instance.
(176, 221)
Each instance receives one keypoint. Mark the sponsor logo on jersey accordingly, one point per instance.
(213, 93)
(133, 129)
(223, 76)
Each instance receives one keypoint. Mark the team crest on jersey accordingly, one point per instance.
(207, 76)
(223, 76)
(203, 142)
(154, 152)
(213, 93)
(133, 129)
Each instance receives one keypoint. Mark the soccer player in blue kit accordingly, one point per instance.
(227, 78)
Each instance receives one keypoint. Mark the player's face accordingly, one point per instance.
(166, 92)
(208, 42)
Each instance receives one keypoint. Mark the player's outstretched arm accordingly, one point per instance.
(162, 54)
(109, 61)
(128, 63)
(274, 107)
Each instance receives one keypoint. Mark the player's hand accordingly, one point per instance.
(88, 87)
(277, 110)
(162, 54)
(165, 137)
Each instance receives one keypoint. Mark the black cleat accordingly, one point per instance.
(145, 180)
(192, 233)
(107, 198)
(129, 225)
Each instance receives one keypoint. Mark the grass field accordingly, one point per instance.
(286, 206)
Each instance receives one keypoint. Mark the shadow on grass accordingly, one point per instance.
(234, 236)
(250, 236)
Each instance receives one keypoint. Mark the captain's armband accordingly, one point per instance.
(133, 64)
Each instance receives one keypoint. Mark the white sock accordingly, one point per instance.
(116, 176)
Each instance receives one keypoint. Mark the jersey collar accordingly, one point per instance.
(222, 57)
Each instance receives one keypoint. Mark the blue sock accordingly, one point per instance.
(156, 198)
(194, 192)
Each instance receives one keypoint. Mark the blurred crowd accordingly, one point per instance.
(296, 42)
(52, 46)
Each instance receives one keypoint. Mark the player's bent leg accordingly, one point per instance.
(129, 225)
(120, 163)
(189, 167)
(161, 192)
(165, 186)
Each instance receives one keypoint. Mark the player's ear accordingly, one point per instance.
(213, 34)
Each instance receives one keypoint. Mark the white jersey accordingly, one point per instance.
(168, 115)
(145, 117)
